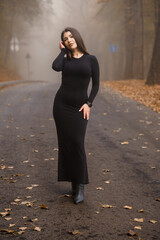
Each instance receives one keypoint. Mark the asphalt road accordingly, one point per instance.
(123, 151)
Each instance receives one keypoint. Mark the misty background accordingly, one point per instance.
(120, 33)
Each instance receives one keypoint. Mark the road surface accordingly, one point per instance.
(123, 151)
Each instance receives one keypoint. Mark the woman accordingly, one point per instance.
(71, 108)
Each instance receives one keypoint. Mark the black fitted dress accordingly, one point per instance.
(70, 123)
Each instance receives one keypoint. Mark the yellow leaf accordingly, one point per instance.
(8, 218)
(7, 230)
(12, 225)
(138, 219)
(37, 229)
(34, 220)
(2, 167)
(138, 227)
(124, 142)
(99, 188)
(107, 206)
(3, 214)
(67, 195)
(152, 221)
(127, 207)
(22, 228)
(141, 210)
(20, 232)
(29, 187)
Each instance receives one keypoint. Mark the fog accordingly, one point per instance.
(42, 38)
(111, 30)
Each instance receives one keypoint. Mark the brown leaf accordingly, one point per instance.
(131, 233)
(2, 167)
(74, 232)
(7, 230)
(3, 214)
(37, 229)
(43, 206)
(157, 199)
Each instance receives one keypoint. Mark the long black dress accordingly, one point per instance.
(70, 123)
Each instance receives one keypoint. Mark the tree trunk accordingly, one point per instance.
(154, 72)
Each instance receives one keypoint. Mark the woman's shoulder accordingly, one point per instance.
(92, 58)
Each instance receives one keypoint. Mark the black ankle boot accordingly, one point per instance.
(79, 196)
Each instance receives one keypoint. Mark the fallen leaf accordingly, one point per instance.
(99, 188)
(152, 221)
(138, 219)
(35, 185)
(67, 195)
(29, 188)
(34, 220)
(127, 207)
(22, 228)
(74, 232)
(124, 142)
(138, 227)
(20, 232)
(157, 199)
(37, 229)
(7, 230)
(3, 214)
(131, 233)
(107, 206)
(2, 167)
(107, 182)
(141, 211)
(12, 225)
(43, 206)
(17, 200)
(7, 218)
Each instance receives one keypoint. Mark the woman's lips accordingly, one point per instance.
(71, 44)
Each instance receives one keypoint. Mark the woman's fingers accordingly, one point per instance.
(86, 111)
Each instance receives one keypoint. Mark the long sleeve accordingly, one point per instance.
(95, 78)
(57, 64)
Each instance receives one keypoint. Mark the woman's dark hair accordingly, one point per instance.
(78, 39)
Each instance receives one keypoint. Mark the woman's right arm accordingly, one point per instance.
(57, 64)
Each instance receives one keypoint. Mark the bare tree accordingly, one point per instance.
(154, 71)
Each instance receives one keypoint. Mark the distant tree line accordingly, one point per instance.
(141, 39)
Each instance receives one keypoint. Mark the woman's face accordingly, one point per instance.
(69, 41)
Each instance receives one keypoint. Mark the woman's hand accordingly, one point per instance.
(86, 110)
(61, 45)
